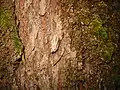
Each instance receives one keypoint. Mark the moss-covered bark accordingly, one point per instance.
(92, 35)
(10, 44)
(68, 44)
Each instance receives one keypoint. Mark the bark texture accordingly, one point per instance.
(46, 42)
(66, 45)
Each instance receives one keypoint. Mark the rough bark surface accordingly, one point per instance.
(61, 51)
(46, 42)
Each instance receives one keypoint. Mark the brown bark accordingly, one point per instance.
(60, 45)
(41, 32)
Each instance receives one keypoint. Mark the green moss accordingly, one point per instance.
(5, 18)
(108, 51)
(102, 33)
(92, 25)
(16, 39)
(6, 23)
(99, 29)
(90, 36)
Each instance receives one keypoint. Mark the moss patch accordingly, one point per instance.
(5, 18)
(91, 36)
(7, 23)
(88, 30)
(16, 39)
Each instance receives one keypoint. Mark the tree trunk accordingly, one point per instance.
(64, 42)
(46, 43)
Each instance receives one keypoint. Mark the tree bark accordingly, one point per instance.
(60, 44)
(46, 43)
